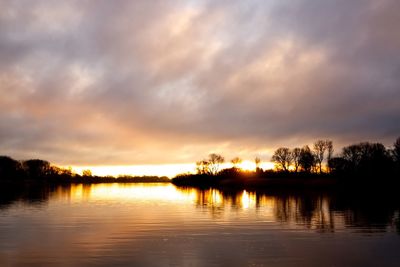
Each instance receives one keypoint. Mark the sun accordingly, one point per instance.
(247, 165)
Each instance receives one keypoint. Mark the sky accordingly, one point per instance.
(118, 83)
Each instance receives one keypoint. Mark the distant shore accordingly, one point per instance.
(280, 180)
(359, 165)
(86, 180)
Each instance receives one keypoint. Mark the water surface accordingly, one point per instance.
(162, 225)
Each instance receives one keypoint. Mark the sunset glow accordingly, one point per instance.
(199, 133)
(163, 84)
(169, 170)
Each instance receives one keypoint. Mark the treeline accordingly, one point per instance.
(368, 163)
(303, 159)
(363, 159)
(12, 170)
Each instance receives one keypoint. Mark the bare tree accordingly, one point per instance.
(236, 162)
(87, 173)
(320, 147)
(329, 145)
(203, 167)
(215, 160)
(282, 158)
(296, 152)
(257, 161)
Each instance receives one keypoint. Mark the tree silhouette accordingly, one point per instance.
(236, 161)
(282, 158)
(367, 158)
(337, 165)
(87, 173)
(320, 147)
(211, 165)
(396, 152)
(214, 161)
(307, 159)
(257, 161)
(203, 167)
(9, 168)
(37, 168)
(352, 154)
(330, 152)
(296, 152)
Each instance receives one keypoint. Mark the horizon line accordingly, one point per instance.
(169, 170)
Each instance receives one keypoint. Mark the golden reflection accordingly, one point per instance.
(266, 201)
(248, 200)
(312, 212)
(80, 192)
(129, 192)
(211, 197)
(216, 197)
(77, 191)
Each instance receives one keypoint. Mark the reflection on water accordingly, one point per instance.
(162, 225)
(320, 211)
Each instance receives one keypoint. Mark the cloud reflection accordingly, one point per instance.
(158, 224)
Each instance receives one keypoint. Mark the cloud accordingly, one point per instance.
(121, 82)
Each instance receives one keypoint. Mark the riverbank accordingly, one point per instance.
(279, 180)
(83, 180)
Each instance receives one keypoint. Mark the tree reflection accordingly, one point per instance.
(323, 212)
(368, 210)
(33, 194)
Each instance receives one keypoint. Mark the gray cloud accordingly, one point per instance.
(127, 82)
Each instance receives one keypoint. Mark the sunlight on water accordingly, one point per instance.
(153, 192)
(248, 200)
(162, 225)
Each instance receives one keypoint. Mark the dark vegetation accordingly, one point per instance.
(362, 164)
(358, 164)
(41, 171)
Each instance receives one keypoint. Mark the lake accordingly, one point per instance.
(162, 225)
